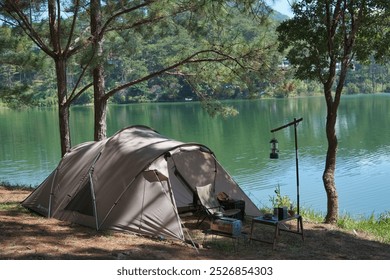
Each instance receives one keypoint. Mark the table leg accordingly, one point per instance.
(276, 236)
(250, 237)
(301, 224)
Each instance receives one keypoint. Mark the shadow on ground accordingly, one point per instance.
(25, 235)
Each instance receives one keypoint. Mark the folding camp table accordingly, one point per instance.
(280, 225)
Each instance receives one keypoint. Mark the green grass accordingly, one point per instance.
(10, 186)
(378, 227)
(13, 206)
(311, 215)
(8, 206)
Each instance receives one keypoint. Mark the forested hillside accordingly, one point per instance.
(27, 76)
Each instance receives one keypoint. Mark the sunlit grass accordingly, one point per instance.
(8, 206)
(13, 207)
(378, 227)
(312, 215)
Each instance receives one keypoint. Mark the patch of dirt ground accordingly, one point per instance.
(25, 235)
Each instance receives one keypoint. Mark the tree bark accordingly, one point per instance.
(100, 104)
(100, 101)
(63, 105)
(60, 64)
(330, 163)
(63, 115)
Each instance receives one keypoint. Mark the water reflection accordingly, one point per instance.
(30, 146)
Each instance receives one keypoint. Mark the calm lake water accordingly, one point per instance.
(29, 145)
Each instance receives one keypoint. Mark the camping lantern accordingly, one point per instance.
(274, 149)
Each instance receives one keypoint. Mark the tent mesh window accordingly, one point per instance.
(82, 202)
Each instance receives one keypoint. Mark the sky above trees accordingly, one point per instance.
(282, 6)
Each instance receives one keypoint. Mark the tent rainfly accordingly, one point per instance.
(137, 181)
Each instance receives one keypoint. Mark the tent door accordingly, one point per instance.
(82, 202)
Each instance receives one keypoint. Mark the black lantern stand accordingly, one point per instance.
(274, 150)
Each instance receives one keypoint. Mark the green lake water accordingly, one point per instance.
(29, 145)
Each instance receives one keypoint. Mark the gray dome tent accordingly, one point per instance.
(137, 180)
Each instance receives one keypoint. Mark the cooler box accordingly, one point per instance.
(227, 225)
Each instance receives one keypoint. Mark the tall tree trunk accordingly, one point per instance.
(100, 102)
(332, 104)
(60, 65)
(330, 163)
(63, 106)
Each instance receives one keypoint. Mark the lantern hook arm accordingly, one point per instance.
(295, 122)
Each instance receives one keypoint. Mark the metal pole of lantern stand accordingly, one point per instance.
(295, 123)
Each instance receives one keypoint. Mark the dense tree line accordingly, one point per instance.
(129, 54)
(27, 75)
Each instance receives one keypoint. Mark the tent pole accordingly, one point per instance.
(91, 170)
(51, 194)
(93, 200)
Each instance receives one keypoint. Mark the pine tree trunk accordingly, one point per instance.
(63, 106)
(63, 115)
(100, 101)
(100, 105)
